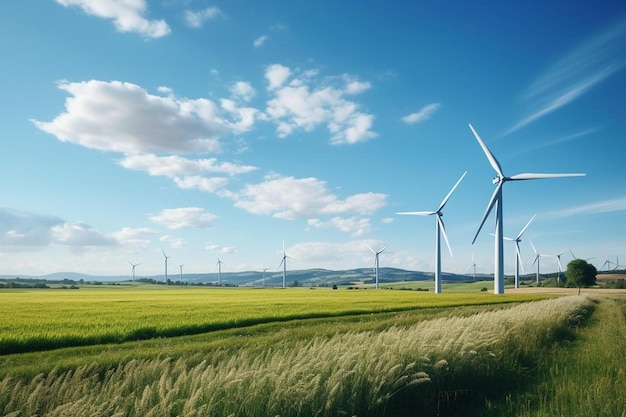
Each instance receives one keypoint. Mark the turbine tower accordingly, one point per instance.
(439, 230)
(264, 269)
(518, 257)
(132, 271)
(219, 271)
(181, 273)
(496, 200)
(166, 258)
(376, 253)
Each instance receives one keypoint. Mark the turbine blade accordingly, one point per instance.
(535, 261)
(381, 251)
(533, 176)
(525, 227)
(492, 202)
(418, 213)
(445, 235)
(445, 200)
(573, 256)
(534, 250)
(492, 159)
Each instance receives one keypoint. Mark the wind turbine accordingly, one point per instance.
(132, 271)
(439, 229)
(376, 253)
(283, 262)
(537, 256)
(473, 267)
(607, 263)
(181, 273)
(264, 269)
(496, 200)
(219, 271)
(558, 259)
(518, 257)
(166, 258)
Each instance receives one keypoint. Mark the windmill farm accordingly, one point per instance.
(282, 276)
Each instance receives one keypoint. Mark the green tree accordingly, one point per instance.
(580, 274)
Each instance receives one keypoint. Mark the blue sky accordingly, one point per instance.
(224, 128)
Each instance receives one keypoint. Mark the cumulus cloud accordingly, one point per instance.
(196, 19)
(19, 228)
(127, 15)
(422, 115)
(243, 90)
(80, 234)
(305, 198)
(123, 117)
(300, 105)
(134, 236)
(185, 217)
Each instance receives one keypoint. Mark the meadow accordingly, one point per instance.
(301, 352)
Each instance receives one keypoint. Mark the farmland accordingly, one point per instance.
(162, 351)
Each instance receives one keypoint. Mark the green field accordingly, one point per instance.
(159, 351)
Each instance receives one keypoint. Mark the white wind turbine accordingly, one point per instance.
(537, 257)
(376, 264)
(439, 229)
(496, 200)
(219, 271)
(264, 269)
(166, 258)
(518, 257)
(607, 263)
(283, 262)
(132, 271)
(473, 267)
(181, 273)
(558, 259)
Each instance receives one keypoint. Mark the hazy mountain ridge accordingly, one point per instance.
(306, 277)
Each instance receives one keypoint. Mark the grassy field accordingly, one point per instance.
(326, 353)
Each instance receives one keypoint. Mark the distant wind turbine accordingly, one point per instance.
(181, 273)
(558, 259)
(132, 271)
(376, 264)
(219, 271)
(537, 257)
(439, 230)
(166, 258)
(607, 263)
(283, 262)
(473, 267)
(518, 257)
(264, 269)
(496, 200)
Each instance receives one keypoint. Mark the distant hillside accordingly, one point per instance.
(306, 277)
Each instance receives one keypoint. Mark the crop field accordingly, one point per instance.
(158, 351)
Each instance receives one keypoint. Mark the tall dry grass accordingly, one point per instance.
(427, 368)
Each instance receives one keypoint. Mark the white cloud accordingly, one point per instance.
(134, 236)
(220, 249)
(276, 75)
(127, 15)
(243, 90)
(196, 19)
(184, 217)
(356, 226)
(422, 115)
(123, 117)
(258, 42)
(22, 229)
(291, 198)
(298, 105)
(80, 234)
(209, 185)
(173, 241)
(174, 165)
